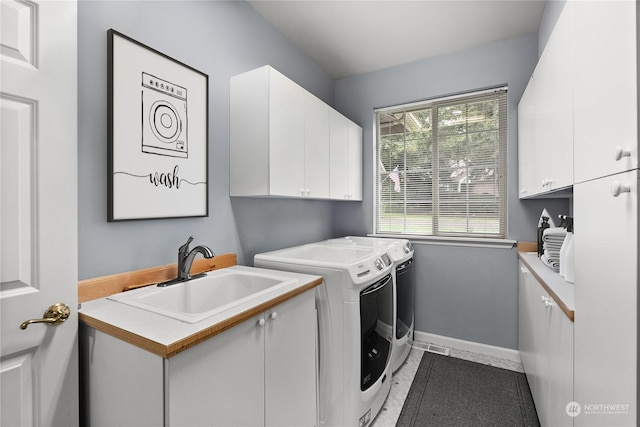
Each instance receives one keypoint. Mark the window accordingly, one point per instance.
(442, 167)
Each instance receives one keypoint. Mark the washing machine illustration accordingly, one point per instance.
(164, 117)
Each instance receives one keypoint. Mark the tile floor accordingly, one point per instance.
(403, 378)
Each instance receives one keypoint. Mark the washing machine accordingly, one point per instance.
(401, 253)
(164, 117)
(355, 326)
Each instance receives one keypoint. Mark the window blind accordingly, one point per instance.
(442, 167)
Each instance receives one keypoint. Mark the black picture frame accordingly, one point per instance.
(158, 134)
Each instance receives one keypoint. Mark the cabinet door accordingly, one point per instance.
(539, 300)
(249, 134)
(316, 147)
(554, 136)
(606, 297)
(290, 363)
(526, 328)
(531, 342)
(545, 118)
(339, 156)
(354, 167)
(528, 181)
(560, 367)
(122, 385)
(546, 350)
(220, 381)
(346, 158)
(605, 87)
(286, 137)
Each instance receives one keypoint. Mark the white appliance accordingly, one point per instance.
(355, 326)
(401, 253)
(164, 117)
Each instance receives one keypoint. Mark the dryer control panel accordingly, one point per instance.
(370, 268)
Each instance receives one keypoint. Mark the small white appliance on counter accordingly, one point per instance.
(401, 253)
(355, 326)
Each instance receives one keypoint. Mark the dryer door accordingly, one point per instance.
(405, 289)
(376, 330)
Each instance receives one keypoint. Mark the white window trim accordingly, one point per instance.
(452, 241)
(438, 240)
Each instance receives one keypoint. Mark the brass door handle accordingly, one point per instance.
(54, 315)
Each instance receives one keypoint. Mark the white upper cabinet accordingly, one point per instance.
(355, 162)
(345, 158)
(316, 158)
(286, 110)
(606, 88)
(280, 140)
(555, 132)
(545, 118)
(528, 182)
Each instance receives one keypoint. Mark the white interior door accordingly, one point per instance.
(38, 211)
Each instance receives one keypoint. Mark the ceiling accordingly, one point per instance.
(348, 37)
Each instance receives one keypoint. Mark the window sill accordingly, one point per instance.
(453, 241)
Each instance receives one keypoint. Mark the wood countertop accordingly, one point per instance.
(165, 336)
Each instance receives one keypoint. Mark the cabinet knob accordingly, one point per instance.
(273, 316)
(620, 153)
(261, 322)
(546, 301)
(524, 270)
(617, 188)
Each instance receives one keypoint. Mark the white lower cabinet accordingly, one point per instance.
(546, 350)
(261, 372)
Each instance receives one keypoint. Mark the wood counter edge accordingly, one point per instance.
(167, 351)
(104, 286)
(527, 248)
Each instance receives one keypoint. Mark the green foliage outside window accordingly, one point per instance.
(442, 168)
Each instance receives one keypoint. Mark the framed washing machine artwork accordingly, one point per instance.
(158, 134)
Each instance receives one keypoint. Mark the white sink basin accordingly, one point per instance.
(198, 299)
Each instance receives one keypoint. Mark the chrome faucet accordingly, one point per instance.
(186, 256)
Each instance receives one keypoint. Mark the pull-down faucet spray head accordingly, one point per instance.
(186, 256)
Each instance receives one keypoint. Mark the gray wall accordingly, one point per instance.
(462, 292)
(220, 39)
(550, 16)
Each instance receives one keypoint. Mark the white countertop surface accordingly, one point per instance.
(150, 330)
(559, 289)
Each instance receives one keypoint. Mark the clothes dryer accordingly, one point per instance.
(401, 253)
(355, 326)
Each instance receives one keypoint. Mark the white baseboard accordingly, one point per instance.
(454, 343)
